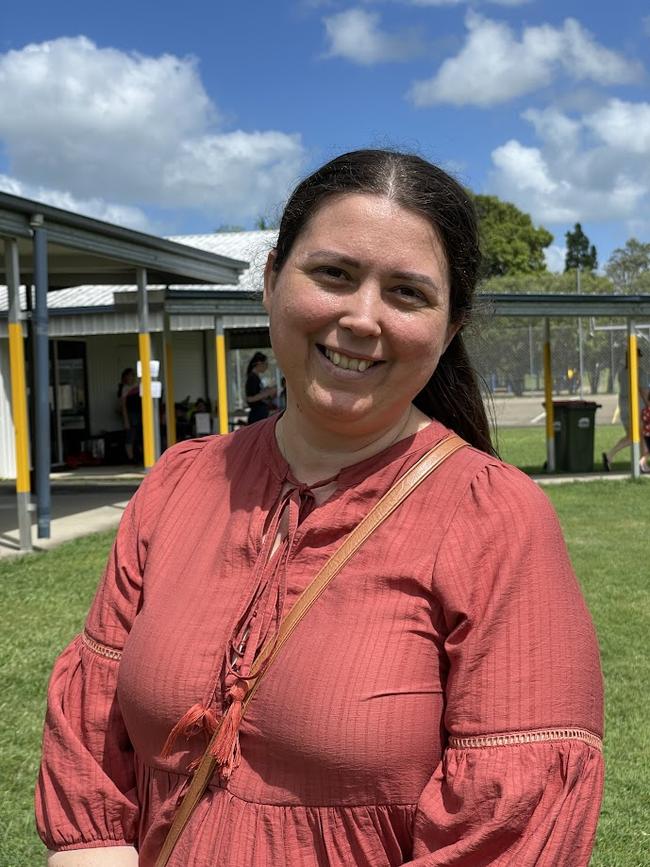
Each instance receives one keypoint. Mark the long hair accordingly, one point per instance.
(256, 359)
(452, 394)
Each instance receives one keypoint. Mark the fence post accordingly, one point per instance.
(633, 373)
(548, 398)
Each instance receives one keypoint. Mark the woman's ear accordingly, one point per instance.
(452, 330)
(270, 275)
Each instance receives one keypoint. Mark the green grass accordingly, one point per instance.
(605, 523)
(44, 601)
(525, 447)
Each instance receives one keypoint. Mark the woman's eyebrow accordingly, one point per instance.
(333, 254)
(343, 259)
(415, 277)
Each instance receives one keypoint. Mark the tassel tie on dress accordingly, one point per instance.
(259, 620)
(225, 749)
(198, 718)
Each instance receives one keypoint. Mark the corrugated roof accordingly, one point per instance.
(252, 247)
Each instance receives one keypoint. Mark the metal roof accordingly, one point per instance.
(249, 249)
(82, 250)
(556, 305)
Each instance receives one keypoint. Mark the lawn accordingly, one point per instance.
(46, 596)
(525, 447)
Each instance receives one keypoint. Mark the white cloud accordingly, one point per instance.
(624, 126)
(457, 2)
(584, 169)
(495, 66)
(555, 257)
(103, 123)
(122, 215)
(356, 36)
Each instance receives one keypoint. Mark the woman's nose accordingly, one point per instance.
(362, 312)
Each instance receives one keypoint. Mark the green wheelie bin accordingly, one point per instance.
(574, 423)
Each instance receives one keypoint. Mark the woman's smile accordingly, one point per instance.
(347, 362)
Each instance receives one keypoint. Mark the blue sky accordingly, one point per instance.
(182, 117)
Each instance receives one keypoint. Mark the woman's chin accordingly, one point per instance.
(345, 411)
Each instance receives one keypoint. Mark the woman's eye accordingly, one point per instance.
(332, 272)
(411, 294)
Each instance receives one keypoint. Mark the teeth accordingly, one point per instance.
(345, 362)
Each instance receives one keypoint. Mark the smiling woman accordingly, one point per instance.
(440, 701)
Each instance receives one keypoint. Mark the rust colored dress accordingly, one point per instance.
(441, 704)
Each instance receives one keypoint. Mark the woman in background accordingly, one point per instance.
(258, 397)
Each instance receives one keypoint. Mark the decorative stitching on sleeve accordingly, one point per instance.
(101, 649)
(508, 739)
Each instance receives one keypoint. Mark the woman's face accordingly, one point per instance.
(359, 312)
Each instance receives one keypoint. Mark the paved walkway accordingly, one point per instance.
(86, 503)
(93, 499)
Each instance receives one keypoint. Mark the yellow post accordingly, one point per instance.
(169, 390)
(222, 382)
(19, 406)
(18, 394)
(635, 421)
(548, 399)
(144, 346)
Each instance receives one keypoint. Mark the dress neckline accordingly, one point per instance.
(349, 476)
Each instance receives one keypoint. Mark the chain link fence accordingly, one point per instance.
(588, 360)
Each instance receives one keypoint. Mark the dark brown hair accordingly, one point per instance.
(452, 395)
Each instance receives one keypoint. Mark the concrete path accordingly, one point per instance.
(78, 508)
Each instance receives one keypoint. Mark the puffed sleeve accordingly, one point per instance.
(521, 778)
(85, 794)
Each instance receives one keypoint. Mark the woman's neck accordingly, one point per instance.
(315, 454)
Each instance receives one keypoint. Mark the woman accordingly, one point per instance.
(624, 412)
(257, 396)
(128, 395)
(441, 703)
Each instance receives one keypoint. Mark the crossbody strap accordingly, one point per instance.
(269, 652)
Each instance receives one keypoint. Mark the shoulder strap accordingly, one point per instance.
(265, 658)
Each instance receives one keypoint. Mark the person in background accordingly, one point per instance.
(258, 397)
(624, 413)
(130, 405)
(441, 703)
(645, 430)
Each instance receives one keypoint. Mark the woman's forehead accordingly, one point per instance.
(367, 227)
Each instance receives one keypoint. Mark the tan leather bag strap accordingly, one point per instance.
(265, 658)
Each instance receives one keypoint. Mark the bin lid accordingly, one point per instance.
(575, 404)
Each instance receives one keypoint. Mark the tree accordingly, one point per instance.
(229, 227)
(629, 267)
(579, 253)
(264, 223)
(511, 243)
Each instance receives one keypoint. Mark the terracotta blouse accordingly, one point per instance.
(441, 704)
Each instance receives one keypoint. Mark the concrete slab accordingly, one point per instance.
(77, 510)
